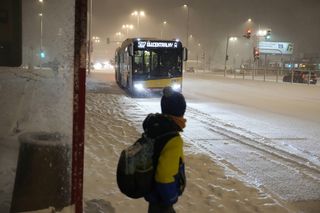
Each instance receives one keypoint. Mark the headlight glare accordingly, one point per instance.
(176, 87)
(139, 87)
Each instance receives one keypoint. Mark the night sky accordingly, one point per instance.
(296, 21)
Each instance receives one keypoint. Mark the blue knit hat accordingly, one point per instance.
(173, 103)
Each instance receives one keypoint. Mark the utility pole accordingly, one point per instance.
(226, 56)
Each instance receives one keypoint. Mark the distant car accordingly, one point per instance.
(301, 77)
(190, 69)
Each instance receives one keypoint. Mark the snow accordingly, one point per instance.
(250, 145)
(33, 101)
(256, 138)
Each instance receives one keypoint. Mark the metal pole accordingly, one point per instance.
(226, 56)
(138, 24)
(188, 27)
(41, 34)
(265, 67)
(291, 69)
(187, 44)
(254, 68)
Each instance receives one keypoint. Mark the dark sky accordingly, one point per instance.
(295, 21)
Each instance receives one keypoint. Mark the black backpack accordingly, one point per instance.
(137, 163)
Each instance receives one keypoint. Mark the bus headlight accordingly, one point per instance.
(139, 87)
(176, 87)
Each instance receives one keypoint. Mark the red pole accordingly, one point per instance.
(80, 38)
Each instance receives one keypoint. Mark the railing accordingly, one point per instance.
(276, 75)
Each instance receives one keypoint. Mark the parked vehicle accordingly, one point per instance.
(301, 77)
(190, 69)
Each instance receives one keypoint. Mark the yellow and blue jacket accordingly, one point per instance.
(169, 179)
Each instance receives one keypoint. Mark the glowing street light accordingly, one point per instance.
(127, 27)
(119, 34)
(233, 38)
(138, 14)
(96, 39)
(262, 33)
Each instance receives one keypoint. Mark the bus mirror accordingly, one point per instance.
(185, 54)
(131, 50)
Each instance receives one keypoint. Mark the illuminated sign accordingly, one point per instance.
(278, 48)
(157, 44)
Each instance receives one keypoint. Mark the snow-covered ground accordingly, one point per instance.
(30, 101)
(250, 146)
(239, 134)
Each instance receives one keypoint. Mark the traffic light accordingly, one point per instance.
(248, 34)
(268, 35)
(42, 54)
(108, 40)
(256, 53)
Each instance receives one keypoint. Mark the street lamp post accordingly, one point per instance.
(119, 34)
(41, 30)
(187, 26)
(127, 27)
(162, 28)
(41, 54)
(227, 56)
(138, 14)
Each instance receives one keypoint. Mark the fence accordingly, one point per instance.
(276, 75)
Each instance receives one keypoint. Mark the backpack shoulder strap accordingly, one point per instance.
(159, 143)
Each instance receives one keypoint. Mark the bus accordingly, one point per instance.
(146, 65)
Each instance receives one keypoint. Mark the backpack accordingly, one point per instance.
(137, 165)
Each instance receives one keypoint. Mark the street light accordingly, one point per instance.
(232, 39)
(96, 39)
(138, 14)
(162, 28)
(127, 27)
(119, 34)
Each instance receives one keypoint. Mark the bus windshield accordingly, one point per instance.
(158, 62)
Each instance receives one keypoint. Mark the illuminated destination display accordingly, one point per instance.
(157, 44)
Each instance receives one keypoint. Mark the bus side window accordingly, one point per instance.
(147, 61)
(138, 61)
(154, 62)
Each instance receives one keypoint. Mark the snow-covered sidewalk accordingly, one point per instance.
(113, 121)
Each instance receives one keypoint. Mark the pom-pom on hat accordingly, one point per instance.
(173, 103)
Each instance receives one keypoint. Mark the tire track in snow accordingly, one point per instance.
(257, 142)
(257, 148)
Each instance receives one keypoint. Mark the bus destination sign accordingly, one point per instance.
(157, 44)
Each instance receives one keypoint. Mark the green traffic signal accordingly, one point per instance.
(42, 54)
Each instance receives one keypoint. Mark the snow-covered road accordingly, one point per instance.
(268, 137)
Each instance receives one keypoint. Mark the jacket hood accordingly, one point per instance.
(158, 124)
